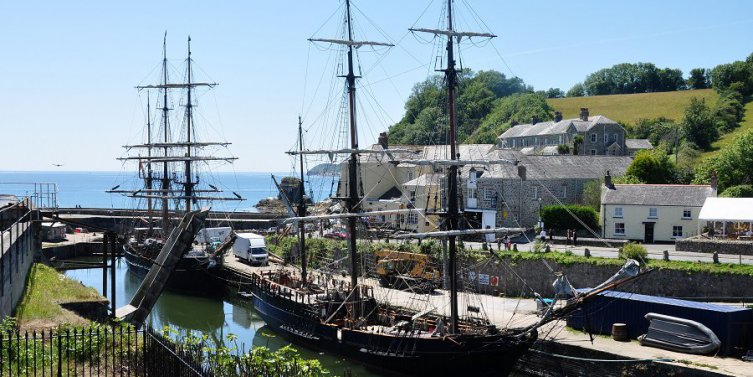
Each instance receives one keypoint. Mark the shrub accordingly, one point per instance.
(739, 191)
(635, 251)
(559, 217)
(538, 246)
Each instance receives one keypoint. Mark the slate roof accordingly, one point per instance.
(425, 180)
(660, 195)
(638, 144)
(553, 167)
(554, 128)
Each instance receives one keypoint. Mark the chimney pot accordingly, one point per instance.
(584, 114)
(557, 116)
(383, 140)
(714, 180)
(534, 119)
(608, 181)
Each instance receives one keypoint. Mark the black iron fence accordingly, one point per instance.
(95, 351)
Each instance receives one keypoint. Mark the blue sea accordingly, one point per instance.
(87, 189)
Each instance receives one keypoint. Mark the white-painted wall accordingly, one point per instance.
(634, 217)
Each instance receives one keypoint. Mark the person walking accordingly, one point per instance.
(575, 238)
(568, 236)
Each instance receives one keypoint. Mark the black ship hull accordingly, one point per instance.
(192, 274)
(489, 355)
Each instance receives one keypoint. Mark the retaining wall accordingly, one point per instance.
(538, 276)
(17, 247)
(702, 245)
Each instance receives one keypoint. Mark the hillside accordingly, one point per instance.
(745, 125)
(628, 108)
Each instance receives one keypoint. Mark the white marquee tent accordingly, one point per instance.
(735, 210)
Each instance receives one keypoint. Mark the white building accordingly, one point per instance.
(652, 213)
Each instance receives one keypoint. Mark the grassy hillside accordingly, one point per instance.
(628, 108)
(745, 125)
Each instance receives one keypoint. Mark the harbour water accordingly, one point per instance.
(215, 316)
(87, 189)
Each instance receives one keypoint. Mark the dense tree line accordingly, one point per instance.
(483, 102)
(628, 78)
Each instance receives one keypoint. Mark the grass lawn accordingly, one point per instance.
(45, 290)
(628, 108)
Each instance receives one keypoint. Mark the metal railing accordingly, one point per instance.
(41, 194)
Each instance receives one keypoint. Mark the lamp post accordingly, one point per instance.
(541, 223)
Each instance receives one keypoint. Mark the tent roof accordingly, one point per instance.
(727, 209)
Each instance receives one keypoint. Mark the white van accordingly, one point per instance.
(251, 248)
(205, 235)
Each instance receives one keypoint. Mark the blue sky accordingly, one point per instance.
(69, 68)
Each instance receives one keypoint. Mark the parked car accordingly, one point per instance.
(336, 235)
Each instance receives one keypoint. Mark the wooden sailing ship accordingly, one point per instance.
(168, 166)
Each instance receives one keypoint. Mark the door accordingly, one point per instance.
(488, 220)
(648, 237)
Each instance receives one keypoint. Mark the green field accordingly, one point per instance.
(628, 108)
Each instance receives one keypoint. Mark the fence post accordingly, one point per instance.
(60, 355)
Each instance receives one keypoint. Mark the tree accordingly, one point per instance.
(555, 93)
(739, 191)
(627, 78)
(698, 124)
(652, 167)
(724, 75)
(592, 193)
(577, 143)
(731, 164)
(699, 78)
(578, 90)
(564, 217)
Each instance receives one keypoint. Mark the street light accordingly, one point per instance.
(541, 223)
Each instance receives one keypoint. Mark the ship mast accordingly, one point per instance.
(188, 185)
(148, 179)
(301, 207)
(453, 213)
(165, 122)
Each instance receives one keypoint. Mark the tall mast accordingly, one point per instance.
(148, 180)
(353, 198)
(165, 122)
(301, 207)
(452, 174)
(188, 185)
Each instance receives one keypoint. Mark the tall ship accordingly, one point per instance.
(173, 170)
(351, 315)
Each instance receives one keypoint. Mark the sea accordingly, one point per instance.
(87, 189)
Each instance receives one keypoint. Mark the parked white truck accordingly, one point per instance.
(252, 248)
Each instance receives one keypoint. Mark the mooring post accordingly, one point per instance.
(113, 255)
(104, 264)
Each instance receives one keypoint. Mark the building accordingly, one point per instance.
(53, 231)
(635, 145)
(601, 135)
(652, 213)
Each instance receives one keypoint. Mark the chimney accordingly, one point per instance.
(608, 181)
(383, 140)
(584, 114)
(534, 119)
(714, 180)
(557, 116)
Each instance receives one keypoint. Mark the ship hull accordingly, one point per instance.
(191, 275)
(484, 355)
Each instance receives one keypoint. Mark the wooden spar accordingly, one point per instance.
(353, 199)
(349, 215)
(455, 162)
(302, 208)
(358, 151)
(455, 233)
(166, 129)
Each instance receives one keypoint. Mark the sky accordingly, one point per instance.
(69, 69)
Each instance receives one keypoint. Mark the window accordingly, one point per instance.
(488, 194)
(412, 196)
(410, 175)
(472, 193)
(412, 218)
(606, 138)
(653, 213)
(560, 139)
(619, 228)
(563, 193)
(677, 231)
(593, 152)
(593, 138)
(618, 212)
(687, 214)
(534, 192)
(515, 217)
(616, 137)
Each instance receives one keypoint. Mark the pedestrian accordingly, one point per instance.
(542, 235)
(575, 238)
(551, 235)
(568, 236)
(499, 243)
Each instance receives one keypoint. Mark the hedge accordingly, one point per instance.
(559, 217)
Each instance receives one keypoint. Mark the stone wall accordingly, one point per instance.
(538, 276)
(702, 245)
(19, 242)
